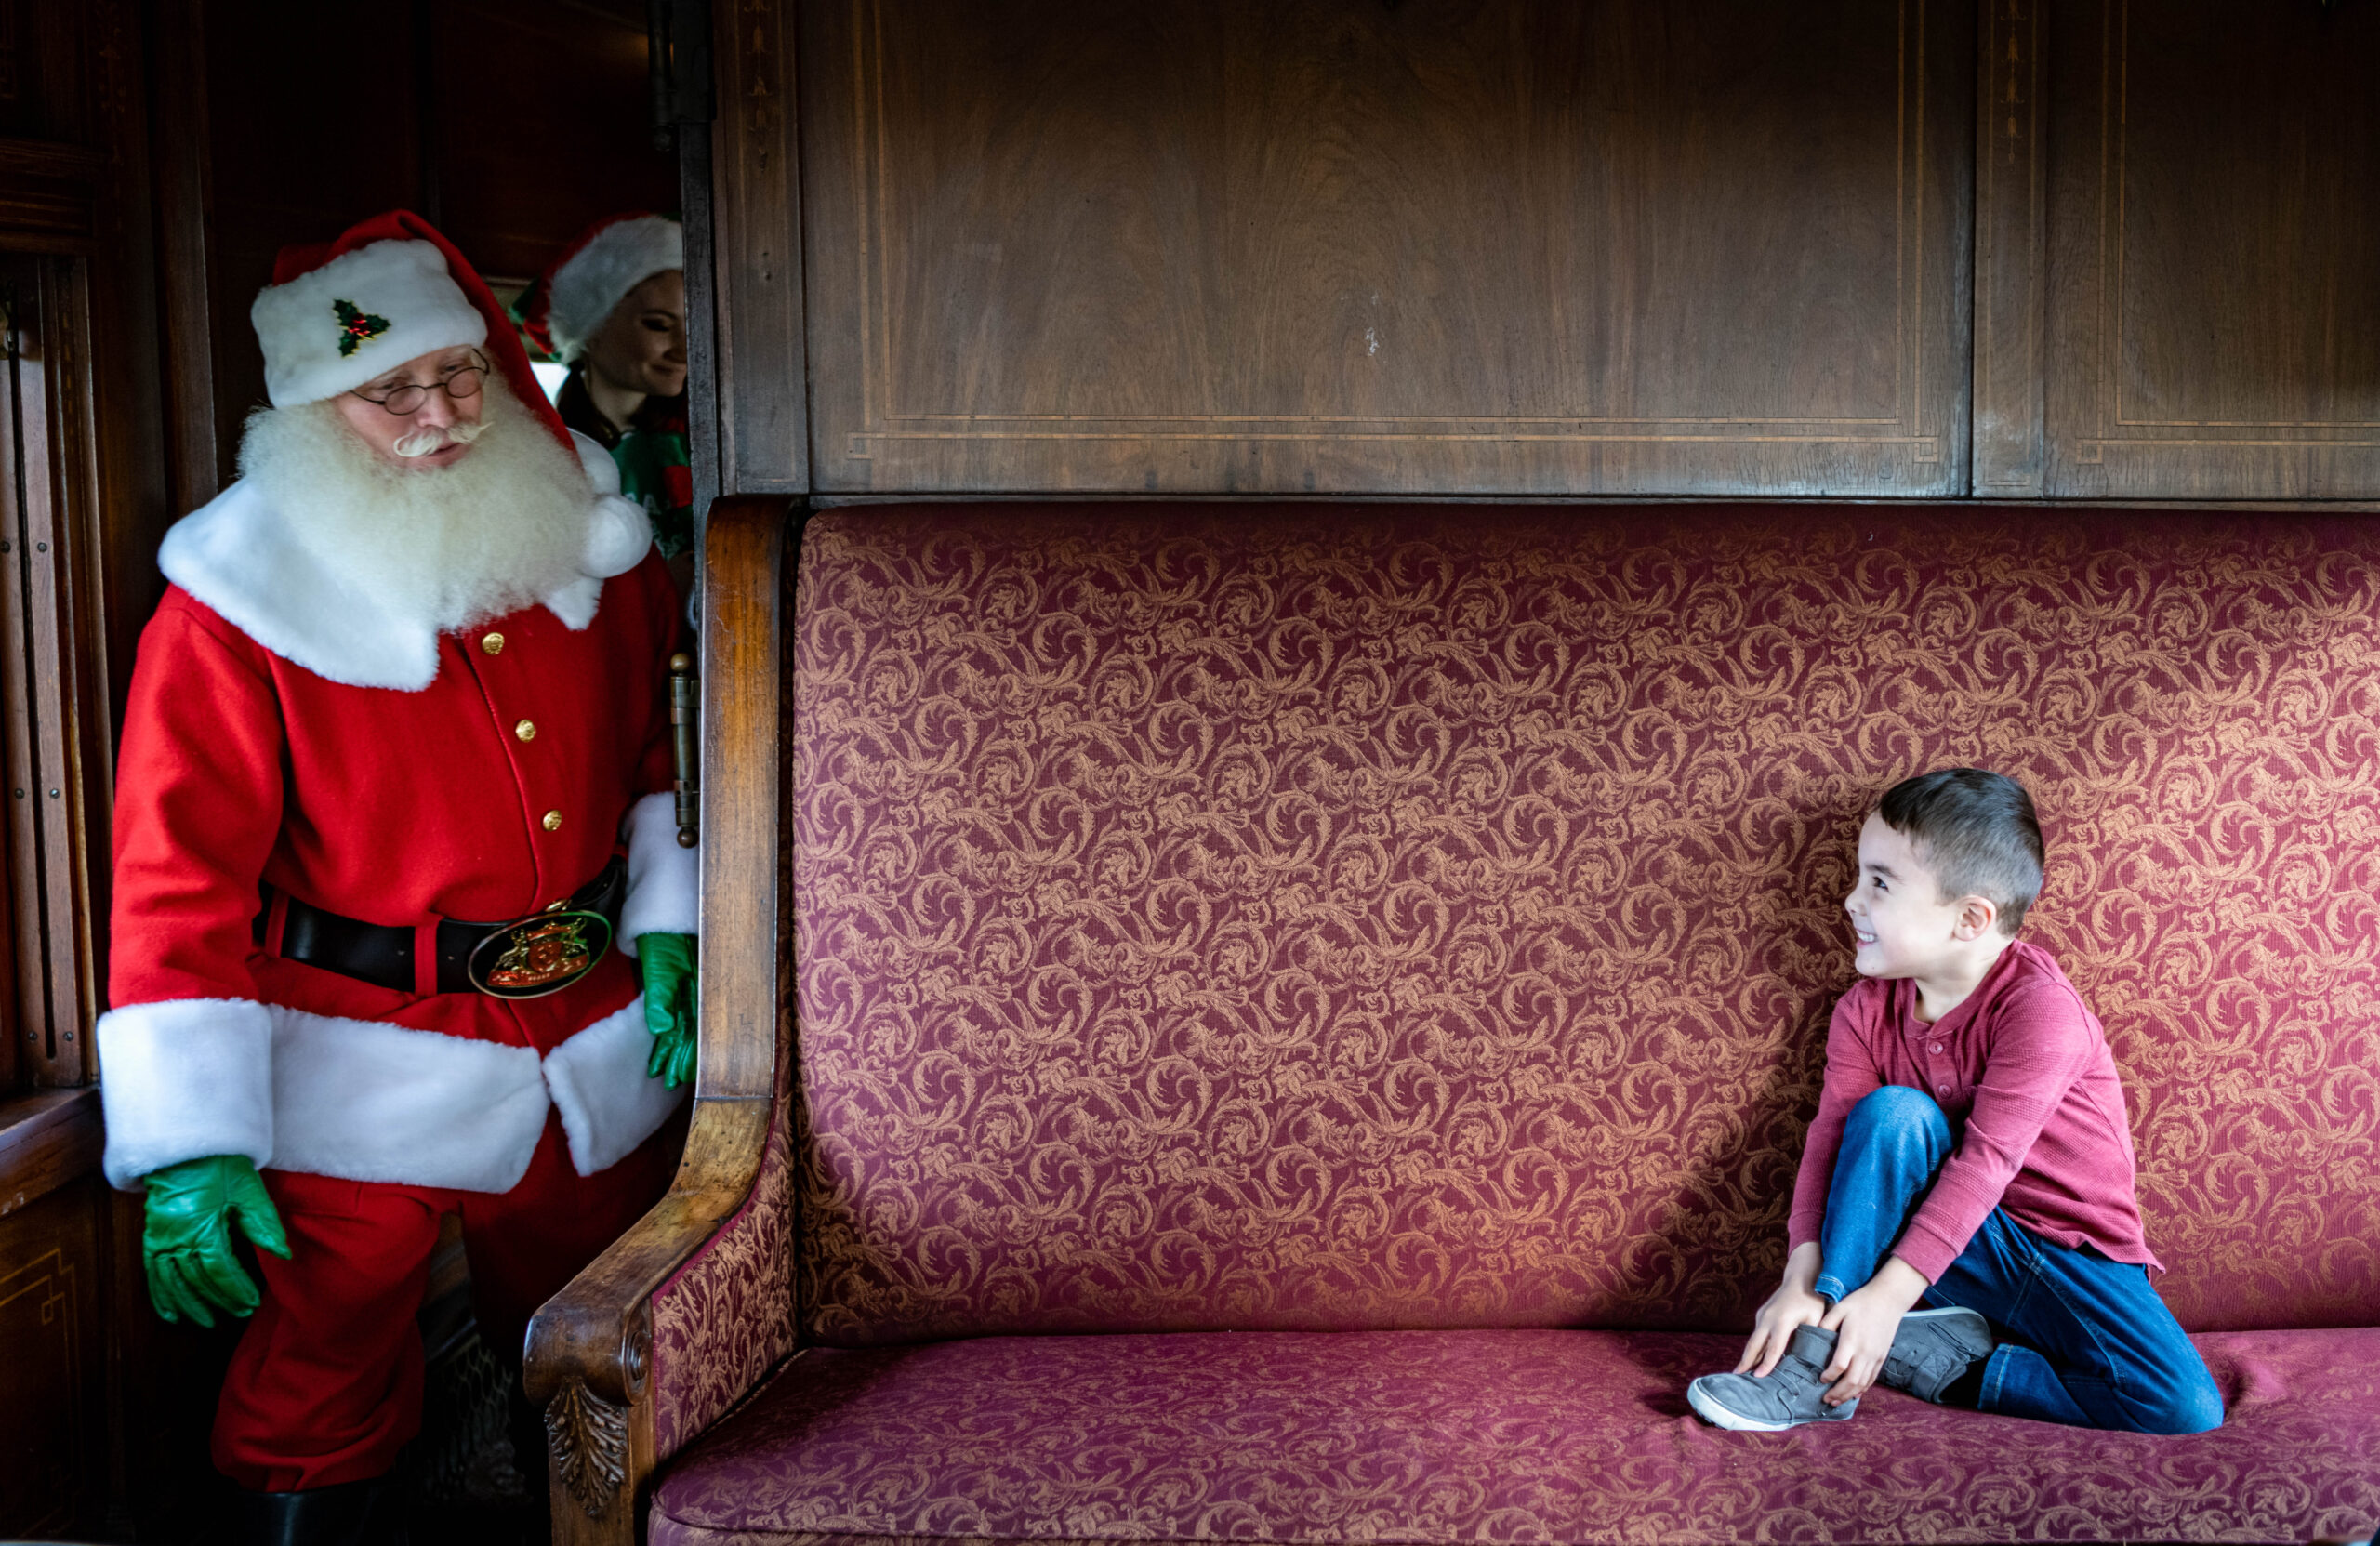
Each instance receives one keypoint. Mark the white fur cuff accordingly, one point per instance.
(607, 1101)
(365, 1100)
(184, 1079)
(665, 881)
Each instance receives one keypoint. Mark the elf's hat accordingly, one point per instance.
(389, 290)
(562, 311)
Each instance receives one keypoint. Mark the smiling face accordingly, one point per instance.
(642, 347)
(1900, 923)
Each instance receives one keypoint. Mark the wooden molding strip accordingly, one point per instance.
(2011, 255)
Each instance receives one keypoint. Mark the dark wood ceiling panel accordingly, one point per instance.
(1431, 247)
(2214, 247)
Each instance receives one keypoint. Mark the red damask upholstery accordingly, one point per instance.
(1288, 918)
(1485, 1436)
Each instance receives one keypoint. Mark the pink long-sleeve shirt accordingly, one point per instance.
(2024, 1063)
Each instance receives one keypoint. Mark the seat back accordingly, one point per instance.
(1337, 918)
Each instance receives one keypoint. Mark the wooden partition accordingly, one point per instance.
(1255, 246)
(81, 506)
(2178, 285)
(1939, 248)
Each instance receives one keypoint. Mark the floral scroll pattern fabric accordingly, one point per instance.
(1488, 1436)
(726, 1316)
(1353, 920)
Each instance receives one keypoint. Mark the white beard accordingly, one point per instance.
(444, 547)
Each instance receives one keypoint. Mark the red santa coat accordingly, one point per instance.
(281, 728)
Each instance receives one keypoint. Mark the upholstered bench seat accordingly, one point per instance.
(1253, 981)
(1482, 1436)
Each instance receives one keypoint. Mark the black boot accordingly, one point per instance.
(320, 1516)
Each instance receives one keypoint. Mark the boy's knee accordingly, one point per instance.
(1897, 1108)
(2194, 1407)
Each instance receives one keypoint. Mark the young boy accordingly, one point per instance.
(1971, 1154)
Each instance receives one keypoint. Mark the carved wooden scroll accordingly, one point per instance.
(589, 1437)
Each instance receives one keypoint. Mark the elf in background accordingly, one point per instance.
(400, 919)
(613, 309)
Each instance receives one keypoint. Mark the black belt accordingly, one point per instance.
(542, 952)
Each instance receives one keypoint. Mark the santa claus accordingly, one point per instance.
(393, 860)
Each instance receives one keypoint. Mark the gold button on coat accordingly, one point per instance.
(526, 730)
(492, 643)
(553, 821)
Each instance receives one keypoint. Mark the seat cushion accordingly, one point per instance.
(1486, 1436)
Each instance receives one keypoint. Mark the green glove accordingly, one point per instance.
(186, 1240)
(668, 963)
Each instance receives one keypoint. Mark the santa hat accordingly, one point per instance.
(564, 311)
(389, 290)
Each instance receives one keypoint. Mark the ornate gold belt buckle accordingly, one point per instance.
(543, 953)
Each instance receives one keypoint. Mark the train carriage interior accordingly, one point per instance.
(1168, 830)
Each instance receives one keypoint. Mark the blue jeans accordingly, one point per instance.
(2089, 1341)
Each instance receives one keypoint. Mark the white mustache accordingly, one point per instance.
(437, 436)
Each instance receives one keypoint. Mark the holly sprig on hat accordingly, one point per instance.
(357, 327)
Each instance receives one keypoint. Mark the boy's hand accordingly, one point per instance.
(1793, 1304)
(1863, 1324)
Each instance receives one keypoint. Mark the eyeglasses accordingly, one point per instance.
(457, 383)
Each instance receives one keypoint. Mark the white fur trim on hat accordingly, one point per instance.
(385, 303)
(593, 280)
(663, 880)
(608, 1103)
(183, 1079)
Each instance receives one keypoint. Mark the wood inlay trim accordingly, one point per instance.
(871, 141)
(2010, 253)
(2113, 145)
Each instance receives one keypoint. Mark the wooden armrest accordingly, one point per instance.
(591, 1346)
(597, 1330)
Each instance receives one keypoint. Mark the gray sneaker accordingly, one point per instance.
(1785, 1397)
(1934, 1347)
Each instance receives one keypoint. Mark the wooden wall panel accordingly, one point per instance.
(42, 59)
(2214, 250)
(82, 506)
(1343, 247)
(540, 126)
(271, 183)
(54, 750)
(763, 428)
(53, 1452)
(2011, 279)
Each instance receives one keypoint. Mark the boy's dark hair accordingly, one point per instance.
(1977, 831)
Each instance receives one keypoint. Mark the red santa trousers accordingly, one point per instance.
(326, 1384)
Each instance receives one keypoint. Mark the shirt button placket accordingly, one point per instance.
(524, 731)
